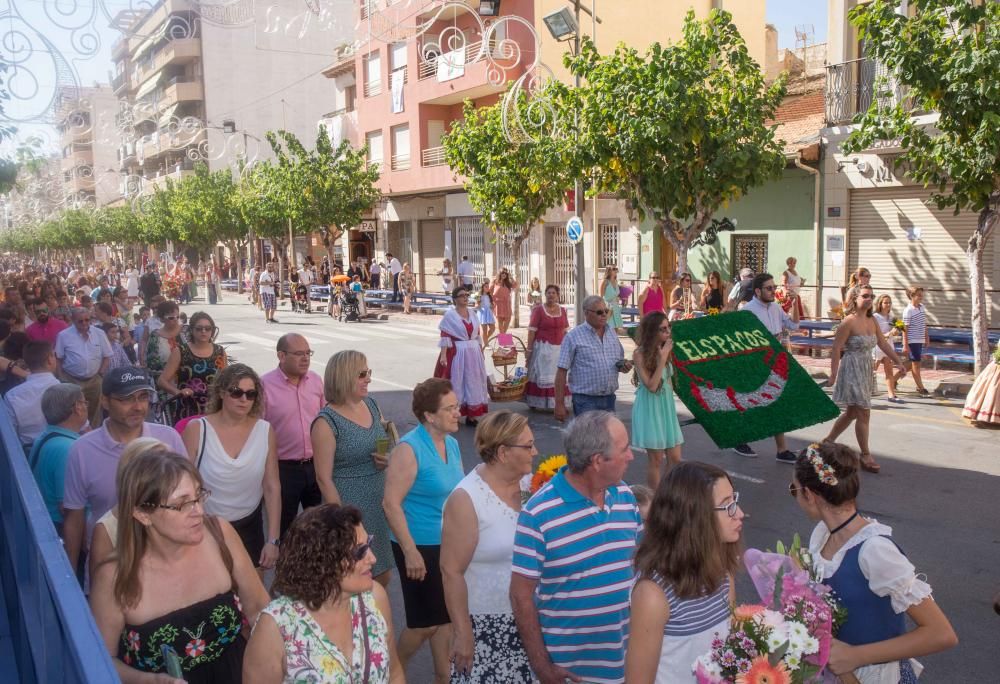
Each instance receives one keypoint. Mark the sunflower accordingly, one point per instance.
(546, 470)
(763, 672)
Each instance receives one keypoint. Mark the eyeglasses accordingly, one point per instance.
(731, 507)
(769, 288)
(140, 397)
(529, 445)
(792, 489)
(300, 353)
(598, 312)
(239, 393)
(361, 550)
(183, 506)
(367, 373)
(204, 328)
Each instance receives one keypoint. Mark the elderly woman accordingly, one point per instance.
(424, 468)
(161, 342)
(461, 357)
(193, 366)
(349, 469)
(180, 581)
(477, 547)
(332, 623)
(235, 451)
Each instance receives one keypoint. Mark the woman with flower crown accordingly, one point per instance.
(871, 576)
(686, 562)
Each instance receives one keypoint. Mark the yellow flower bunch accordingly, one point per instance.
(546, 470)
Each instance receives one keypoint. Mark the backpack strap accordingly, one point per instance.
(42, 443)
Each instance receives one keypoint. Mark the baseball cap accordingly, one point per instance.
(126, 381)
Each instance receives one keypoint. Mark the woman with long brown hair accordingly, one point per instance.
(712, 296)
(686, 560)
(503, 292)
(611, 291)
(655, 426)
(179, 579)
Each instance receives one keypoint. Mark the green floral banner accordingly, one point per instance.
(740, 383)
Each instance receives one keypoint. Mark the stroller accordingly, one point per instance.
(350, 308)
(300, 302)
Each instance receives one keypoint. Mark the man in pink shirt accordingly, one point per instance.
(44, 329)
(293, 396)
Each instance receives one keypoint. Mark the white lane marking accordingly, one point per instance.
(747, 478)
(404, 329)
(390, 383)
(260, 341)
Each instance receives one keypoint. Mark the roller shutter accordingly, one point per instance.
(905, 240)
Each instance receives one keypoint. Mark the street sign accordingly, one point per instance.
(574, 230)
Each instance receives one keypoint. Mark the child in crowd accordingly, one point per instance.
(644, 497)
(487, 320)
(119, 357)
(915, 334)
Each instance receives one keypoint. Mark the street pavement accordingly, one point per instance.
(937, 489)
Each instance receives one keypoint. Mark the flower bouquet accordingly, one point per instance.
(713, 311)
(172, 285)
(546, 471)
(786, 640)
(898, 324)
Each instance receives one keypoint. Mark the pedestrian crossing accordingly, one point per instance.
(321, 336)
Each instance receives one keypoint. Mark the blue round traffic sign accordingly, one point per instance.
(574, 230)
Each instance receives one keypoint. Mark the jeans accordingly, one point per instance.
(593, 402)
(298, 486)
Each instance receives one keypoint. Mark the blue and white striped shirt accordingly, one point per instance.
(915, 320)
(694, 615)
(581, 555)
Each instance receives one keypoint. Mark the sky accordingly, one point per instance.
(785, 15)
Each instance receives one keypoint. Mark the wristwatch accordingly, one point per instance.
(274, 542)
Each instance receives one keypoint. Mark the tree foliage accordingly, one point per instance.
(680, 131)
(511, 185)
(946, 57)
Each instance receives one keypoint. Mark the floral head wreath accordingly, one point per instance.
(824, 471)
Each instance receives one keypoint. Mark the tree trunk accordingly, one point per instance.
(975, 249)
(680, 249)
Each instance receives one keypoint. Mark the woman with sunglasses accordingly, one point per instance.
(686, 561)
(611, 292)
(178, 580)
(871, 576)
(332, 622)
(682, 300)
(345, 435)
(162, 341)
(853, 376)
(192, 367)
(235, 451)
(651, 299)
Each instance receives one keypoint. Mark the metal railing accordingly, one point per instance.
(119, 81)
(433, 156)
(851, 87)
(428, 68)
(52, 633)
(373, 88)
(400, 162)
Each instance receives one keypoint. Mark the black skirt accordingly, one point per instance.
(423, 600)
(251, 532)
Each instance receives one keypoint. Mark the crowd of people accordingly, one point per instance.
(181, 482)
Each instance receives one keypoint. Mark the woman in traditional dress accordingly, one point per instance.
(546, 330)
(461, 358)
(982, 405)
(871, 576)
(791, 281)
(611, 292)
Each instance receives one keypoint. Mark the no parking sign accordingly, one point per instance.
(574, 230)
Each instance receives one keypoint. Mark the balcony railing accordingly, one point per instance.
(429, 67)
(851, 87)
(433, 156)
(400, 162)
(119, 81)
(373, 88)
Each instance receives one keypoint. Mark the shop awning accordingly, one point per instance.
(149, 86)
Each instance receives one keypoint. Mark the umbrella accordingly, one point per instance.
(341, 278)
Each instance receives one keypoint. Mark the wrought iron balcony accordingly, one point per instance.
(851, 87)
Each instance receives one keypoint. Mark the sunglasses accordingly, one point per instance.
(599, 312)
(170, 318)
(361, 550)
(365, 374)
(239, 393)
(792, 489)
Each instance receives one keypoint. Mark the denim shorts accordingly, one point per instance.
(593, 402)
(916, 350)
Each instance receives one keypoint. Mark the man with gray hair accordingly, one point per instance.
(83, 354)
(572, 567)
(592, 357)
(65, 411)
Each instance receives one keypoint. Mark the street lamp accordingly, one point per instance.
(561, 24)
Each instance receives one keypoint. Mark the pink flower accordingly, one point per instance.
(747, 611)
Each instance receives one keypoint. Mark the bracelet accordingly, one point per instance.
(274, 542)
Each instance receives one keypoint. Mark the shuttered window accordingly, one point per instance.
(904, 240)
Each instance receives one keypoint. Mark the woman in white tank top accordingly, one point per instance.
(236, 454)
(477, 548)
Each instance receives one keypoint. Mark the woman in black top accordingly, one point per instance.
(712, 296)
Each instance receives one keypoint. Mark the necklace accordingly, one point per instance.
(843, 524)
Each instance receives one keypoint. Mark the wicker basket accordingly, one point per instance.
(503, 359)
(506, 391)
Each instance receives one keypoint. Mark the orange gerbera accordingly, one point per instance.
(763, 672)
(747, 611)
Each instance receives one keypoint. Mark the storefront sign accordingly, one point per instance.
(738, 381)
(833, 212)
(367, 225)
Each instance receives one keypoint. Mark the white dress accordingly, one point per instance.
(885, 327)
(132, 282)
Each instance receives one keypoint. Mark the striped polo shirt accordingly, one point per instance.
(581, 555)
(915, 320)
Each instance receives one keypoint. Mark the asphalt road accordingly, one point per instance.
(937, 489)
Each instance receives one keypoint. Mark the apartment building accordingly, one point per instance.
(875, 216)
(205, 82)
(399, 89)
(89, 140)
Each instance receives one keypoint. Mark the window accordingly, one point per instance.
(350, 95)
(373, 74)
(374, 141)
(401, 147)
(609, 244)
(397, 59)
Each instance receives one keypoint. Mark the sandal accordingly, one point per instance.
(869, 465)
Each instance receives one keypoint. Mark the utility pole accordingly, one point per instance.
(580, 283)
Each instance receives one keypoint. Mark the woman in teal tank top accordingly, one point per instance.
(423, 470)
